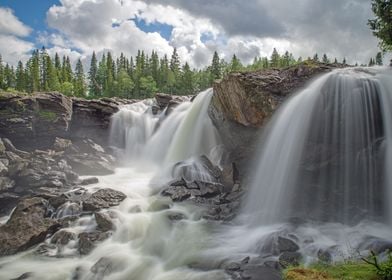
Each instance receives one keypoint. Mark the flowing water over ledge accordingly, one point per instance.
(149, 244)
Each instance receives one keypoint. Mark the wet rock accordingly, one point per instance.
(86, 164)
(104, 223)
(104, 267)
(200, 169)
(3, 168)
(375, 244)
(177, 193)
(176, 216)
(103, 198)
(6, 183)
(209, 190)
(61, 144)
(275, 245)
(69, 209)
(26, 227)
(287, 259)
(259, 272)
(63, 237)
(287, 245)
(24, 276)
(88, 240)
(89, 181)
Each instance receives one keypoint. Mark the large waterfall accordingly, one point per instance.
(323, 156)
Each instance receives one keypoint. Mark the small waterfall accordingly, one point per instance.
(186, 132)
(322, 156)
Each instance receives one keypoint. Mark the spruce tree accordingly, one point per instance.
(216, 69)
(93, 86)
(2, 86)
(275, 58)
(379, 57)
(20, 77)
(79, 82)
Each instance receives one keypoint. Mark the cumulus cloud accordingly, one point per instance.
(198, 28)
(12, 47)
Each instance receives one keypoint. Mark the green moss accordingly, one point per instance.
(339, 271)
(47, 115)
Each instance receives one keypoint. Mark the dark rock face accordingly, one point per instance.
(34, 121)
(244, 102)
(91, 118)
(27, 226)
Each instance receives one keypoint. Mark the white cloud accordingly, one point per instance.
(13, 48)
(11, 25)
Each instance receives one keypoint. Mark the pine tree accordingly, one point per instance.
(235, 64)
(9, 75)
(382, 24)
(379, 57)
(102, 75)
(34, 83)
(93, 86)
(216, 69)
(20, 77)
(344, 61)
(79, 83)
(2, 86)
(187, 83)
(371, 62)
(316, 57)
(275, 58)
(325, 59)
(175, 62)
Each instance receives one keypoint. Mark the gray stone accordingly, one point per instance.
(104, 223)
(88, 241)
(103, 198)
(63, 237)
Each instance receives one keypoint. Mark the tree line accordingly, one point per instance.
(129, 77)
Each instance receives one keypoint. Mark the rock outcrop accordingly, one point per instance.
(244, 102)
(34, 121)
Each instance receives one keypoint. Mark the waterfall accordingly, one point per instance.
(186, 132)
(322, 156)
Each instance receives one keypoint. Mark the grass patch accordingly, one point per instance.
(339, 271)
(47, 115)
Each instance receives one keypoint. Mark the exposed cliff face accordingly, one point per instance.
(34, 121)
(243, 102)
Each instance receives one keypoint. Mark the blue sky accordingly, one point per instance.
(196, 28)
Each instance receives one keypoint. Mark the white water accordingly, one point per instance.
(322, 155)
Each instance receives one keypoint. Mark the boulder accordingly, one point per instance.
(104, 223)
(27, 226)
(63, 237)
(88, 240)
(61, 144)
(103, 198)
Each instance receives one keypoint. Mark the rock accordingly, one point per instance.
(104, 223)
(103, 198)
(61, 144)
(87, 164)
(105, 266)
(6, 183)
(177, 193)
(287, 245)
(275, 245)
(3, 169)
(63, 237)
(209, 190)
(375, 244)
(69, 209)
(200, 169)
(2, 147)
(34, 120)
(91, 118)
(89, 181)
(88, 240)
(260, 272)
(24, 276)
(287, 259)
(26, 227)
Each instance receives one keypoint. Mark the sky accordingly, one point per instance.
(197, 28)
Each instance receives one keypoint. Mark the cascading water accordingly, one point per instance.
(323, 155)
